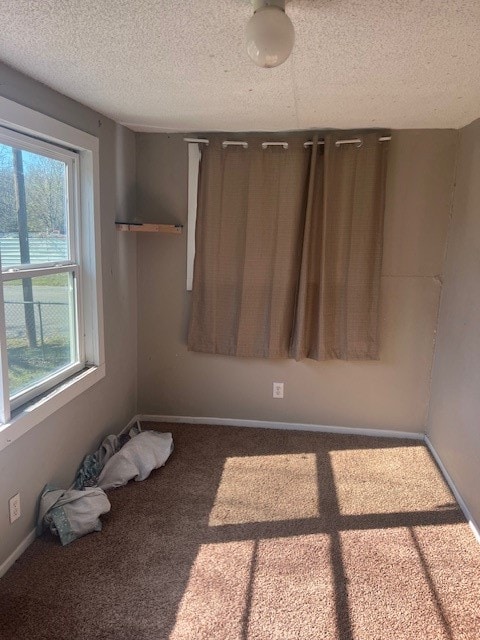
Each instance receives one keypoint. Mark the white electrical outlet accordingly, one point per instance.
(278, 389)
(15, 510)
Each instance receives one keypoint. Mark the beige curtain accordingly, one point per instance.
(288, 249)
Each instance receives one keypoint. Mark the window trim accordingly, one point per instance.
(23, 120)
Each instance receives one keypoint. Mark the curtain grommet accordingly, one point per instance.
(284, 145)
(357, 141)
(234, 143)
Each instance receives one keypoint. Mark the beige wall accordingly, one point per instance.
(454, 421)
(52, 451)
(390, 394)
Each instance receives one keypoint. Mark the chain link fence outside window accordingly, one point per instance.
(37, 351)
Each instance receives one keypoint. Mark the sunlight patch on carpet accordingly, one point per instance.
(215, 598)
(252, 590)
(293, 593)
(403, 573)
(388, 480)
(265, 489)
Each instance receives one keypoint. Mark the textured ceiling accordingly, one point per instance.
(182, 66)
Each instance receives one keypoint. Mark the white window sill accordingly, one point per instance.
(39, 410)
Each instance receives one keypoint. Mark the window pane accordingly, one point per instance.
(33, 208)
(41, 328)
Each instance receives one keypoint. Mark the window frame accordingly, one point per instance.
(55, 137)
(71, 266)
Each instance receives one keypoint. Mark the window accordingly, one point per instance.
(50, 287)
(41, 315)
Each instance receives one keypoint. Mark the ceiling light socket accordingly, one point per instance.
(258, 4)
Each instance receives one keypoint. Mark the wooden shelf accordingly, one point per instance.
(150, 228)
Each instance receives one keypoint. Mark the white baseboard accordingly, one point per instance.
(14, 556)
(292, 426)
(466, 512)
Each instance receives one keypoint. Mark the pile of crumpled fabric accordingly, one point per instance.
(73, 513)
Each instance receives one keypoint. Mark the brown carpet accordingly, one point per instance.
(258, 534)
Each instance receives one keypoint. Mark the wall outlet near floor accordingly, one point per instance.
(278, 389)
(14, 506)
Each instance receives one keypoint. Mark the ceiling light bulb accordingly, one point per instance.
(270, 36)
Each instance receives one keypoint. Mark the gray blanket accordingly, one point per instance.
(136, 459)
(93, 463)
(74, 513)
(71, 514)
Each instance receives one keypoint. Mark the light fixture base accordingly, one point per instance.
(258, 4)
